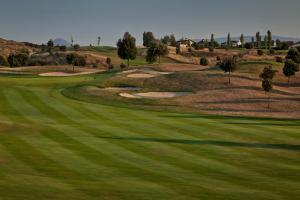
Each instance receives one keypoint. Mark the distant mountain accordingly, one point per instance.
(248, 38)
(61, 42)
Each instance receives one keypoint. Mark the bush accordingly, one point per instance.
(203, 61)
(272, 51)
(76, 47)
(260, 52)
(218, 58)
(122, 66)
(75, 59)
(211, 49)
(279, 59)
(17, 60)
(3, 61)
(25, 51)
(63, 48)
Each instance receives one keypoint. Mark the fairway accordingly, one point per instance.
(54, 147)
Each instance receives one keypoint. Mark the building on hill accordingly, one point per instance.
(185, 42)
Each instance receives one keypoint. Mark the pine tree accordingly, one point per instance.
(265, 42)
(212, 41)
(229, 43)
(269, 39)
(242, 40)
(258, 40)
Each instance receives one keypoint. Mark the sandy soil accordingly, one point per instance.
(154, 95)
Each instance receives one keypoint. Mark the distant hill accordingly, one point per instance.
(248, 38)
(11, 46)
(61, 42)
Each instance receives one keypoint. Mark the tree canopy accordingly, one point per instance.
(127, 47)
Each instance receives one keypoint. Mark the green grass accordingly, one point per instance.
(53, 147)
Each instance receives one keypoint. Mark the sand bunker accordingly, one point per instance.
(143, 73)
(62, 74)
(154, 95)
(123, 88)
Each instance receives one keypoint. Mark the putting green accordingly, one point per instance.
(53, 147)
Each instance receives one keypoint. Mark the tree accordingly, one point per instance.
(72, 40)
(109, 64)
(203, 61)
(50, 45)
(98, 40)
(267, 86)
(148, 37)
(267, 80)
(17, 60)
(229, 43)
(166, 40)
(212, 41)
(63, 48)
(242, 40)
(269, 39)
(127, 48)
(258, 40)
(173, 40)
(3, 61)
(294, 55)
(76, 47)
(156, 50)
(265, 42)
(252, 43)
(290, 68)
(229, 65)
(75, 60)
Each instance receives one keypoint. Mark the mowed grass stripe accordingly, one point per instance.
(121, 150)
(45, 118)
(45, 161)
(94, 114)
(63, 109)
(67, 139)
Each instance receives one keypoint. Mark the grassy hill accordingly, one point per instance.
(53, 147)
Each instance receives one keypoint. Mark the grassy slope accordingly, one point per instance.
(52, 147)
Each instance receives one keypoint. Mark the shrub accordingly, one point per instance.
(272, 51)
(122, 66)
(279, 59)
(218, 58)
(3, 61)
(260, 52)
(203, 61)
(17, 60)
(25, 51)
(76, 47)
(190, 50)
(75, 59)
(63, 48)
(211, 49)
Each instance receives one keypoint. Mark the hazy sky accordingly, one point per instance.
(39, 20)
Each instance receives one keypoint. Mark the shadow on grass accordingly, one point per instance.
(291, 147)
(246, 120)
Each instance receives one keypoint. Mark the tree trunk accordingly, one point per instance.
(229, 78)
(289, 81)
(73, 68)
(127, 62)
(158, 60)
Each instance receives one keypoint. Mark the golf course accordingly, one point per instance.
(53, 146)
